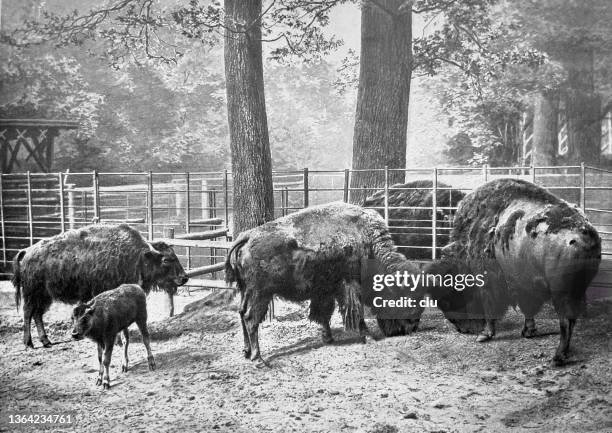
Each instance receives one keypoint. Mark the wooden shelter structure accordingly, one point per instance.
(25, 140)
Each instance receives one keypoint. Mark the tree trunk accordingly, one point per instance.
(381, 119)
(246, 109)
(544, 142)
(583, 108)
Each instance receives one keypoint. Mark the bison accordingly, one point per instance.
(109, 313)
(79, 264)
(411, 230)
(532, 246)
(410, 226)
(314, 254)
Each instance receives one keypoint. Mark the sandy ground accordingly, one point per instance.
(433, 381)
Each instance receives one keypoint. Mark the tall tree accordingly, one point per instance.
(381, 119)
(246, 108)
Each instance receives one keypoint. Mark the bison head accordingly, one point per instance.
(161, 267)
(461, 305)
(82, 320)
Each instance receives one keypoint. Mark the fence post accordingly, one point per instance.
(84, 207)
(212, 213)
(30, 216)
(485, 172)
(2, 221)
(71, 213)
(61, 197)
(284, 193)
(96, 196)
(306, 187)
(582, 187)
(226, 198)
(387, 195)
(434, 214)
(346, 185)
(533, 174)
(187, 216)
(150, 205)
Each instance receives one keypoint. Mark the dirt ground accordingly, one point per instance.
(436, 380)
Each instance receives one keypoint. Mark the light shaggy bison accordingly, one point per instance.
(314, 254)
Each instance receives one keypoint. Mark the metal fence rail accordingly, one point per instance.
(175, 205)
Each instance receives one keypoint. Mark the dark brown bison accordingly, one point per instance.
(77, 265)
(531, 246)
(314, 254)
(411, 227)
(109, 313)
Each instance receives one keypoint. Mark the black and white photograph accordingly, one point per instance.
(359, 216)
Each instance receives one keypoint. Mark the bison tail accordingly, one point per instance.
(16, 279)
(232, 273)
(352, 308)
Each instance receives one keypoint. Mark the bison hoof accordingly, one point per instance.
(246, 353)
(483, 337)
(29, 344)
(559, 360)
(124, 368)
(151, 365)
(47, 344)
(106, 385)
(98, 381)
(529, 332)
(327, 339)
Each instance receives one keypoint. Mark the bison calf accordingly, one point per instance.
(105, 316)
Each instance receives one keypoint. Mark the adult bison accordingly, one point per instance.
(411, 230)
(410, 220)
(77, 265)
(314, 254)
(531, 246)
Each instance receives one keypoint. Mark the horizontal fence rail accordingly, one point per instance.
(193, 211)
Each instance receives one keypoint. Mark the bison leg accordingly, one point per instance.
(40, 327)
(144, 331)
(125, 339)
(101, 369)
(529, 330)
(255, 314)
(321, 310)
(530, 303)
(245, 333)
(488, 332)
(566, 326)
(351, 308)
(106, 359)
(170, 304)
(27, 324)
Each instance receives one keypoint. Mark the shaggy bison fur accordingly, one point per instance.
(531, 245)
(314, 254)
(411, 228)
(79, 264)
(109, 313)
